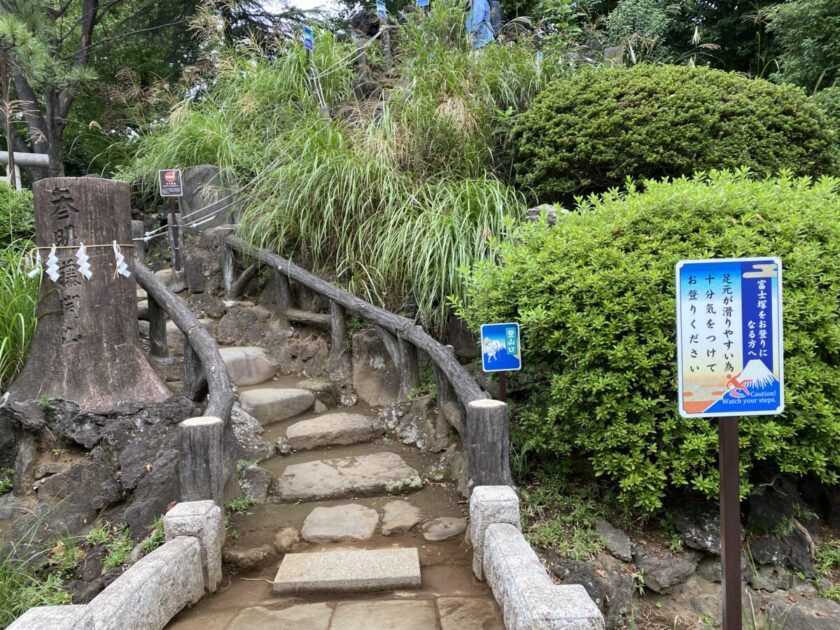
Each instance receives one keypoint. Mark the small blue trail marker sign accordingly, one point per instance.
(308, 39)
(422, 3)
(729, 337)
(500, 348)
(381, 10)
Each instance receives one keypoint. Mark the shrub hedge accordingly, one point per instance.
(595, 297)
(604, 125)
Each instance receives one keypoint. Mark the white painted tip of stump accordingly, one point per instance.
(201, 421)
(487, 403)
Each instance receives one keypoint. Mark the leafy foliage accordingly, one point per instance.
(391, 193)
(595, 296)
(602, 126)
(16, 215)
(806, 31)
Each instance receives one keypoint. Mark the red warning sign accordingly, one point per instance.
(170, 183)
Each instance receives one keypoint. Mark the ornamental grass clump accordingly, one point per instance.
(390, 193)
(602, 126)
(595, 297)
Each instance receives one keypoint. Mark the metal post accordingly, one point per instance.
(503, 386)
(730, 523)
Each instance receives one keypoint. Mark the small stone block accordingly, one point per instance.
(524, 591)
(444, 528)
(489, 505)
(203, 520)
(340, 523)
(348, 571)
(248, 365)
(399, 517)
(364, 475)
(52, 617)
(270, 405)
(332, 429)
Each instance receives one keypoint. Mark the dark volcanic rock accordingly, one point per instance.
(154, 492)
(802, 613)
(663, 570)
(774, 507)
(699, 526)
(616, 541)
(603, 577)
(792, 549)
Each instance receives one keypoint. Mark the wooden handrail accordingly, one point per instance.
(200, 342)
(464, 387)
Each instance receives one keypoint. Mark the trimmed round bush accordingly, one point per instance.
(595, 297)
(602, 126)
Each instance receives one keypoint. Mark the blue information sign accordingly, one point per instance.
(308, 40)
(500, 348)
(381, 10)
(422, 3)
(729, 337)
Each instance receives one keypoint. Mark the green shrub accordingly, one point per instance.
(600, 127)
(17, 219)
(829, 101)
(595, 296)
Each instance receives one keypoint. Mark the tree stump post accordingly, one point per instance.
(86, 346)
(201, 465)
(488, 443)
(284, 296)
(158, 346)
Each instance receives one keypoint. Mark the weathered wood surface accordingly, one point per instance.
(86, 346)
(195, 383)
(239, 286)
(338, 332)
(465, 388)
(220, 394)
(488, 443)
(308, 317)
(157, 329)
(202, 462)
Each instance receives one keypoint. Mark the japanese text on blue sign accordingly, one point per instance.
(500, 348)
(729, 337)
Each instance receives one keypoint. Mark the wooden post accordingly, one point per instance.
(86, 346)
(138, 232)
(228, 270)
(175, 238)
(409, 369)
(201, 464)
(157, 329)
(241, 283)
(730, 522)
(195, 382)
(284, 297)
(488, 443)
(338, 331)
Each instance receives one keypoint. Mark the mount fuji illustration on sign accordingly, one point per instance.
(729, 334)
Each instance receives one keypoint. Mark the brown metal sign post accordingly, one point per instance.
(730, 522)
(730, 360)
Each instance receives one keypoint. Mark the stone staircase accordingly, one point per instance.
(327, 508)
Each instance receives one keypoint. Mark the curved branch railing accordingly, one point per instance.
(202, 359)
(402, 337)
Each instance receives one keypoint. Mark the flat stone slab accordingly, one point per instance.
(332, 429)
(469, 613)
(399, 517)
(365, 475)
(339, 523)
(349, 570)
(309, 616)
(385, 615)
(444, 528)
(269, 405)
(248, 365)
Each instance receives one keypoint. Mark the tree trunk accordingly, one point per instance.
(86, 346)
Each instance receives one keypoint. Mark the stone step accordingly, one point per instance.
(248, 365)
(339, 478)
(332, 429)
(269, 404)
(349, 570)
